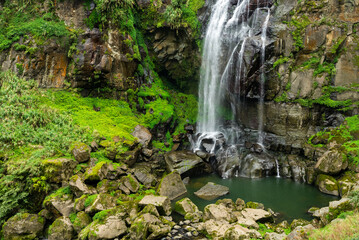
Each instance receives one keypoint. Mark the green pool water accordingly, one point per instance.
(290, 199)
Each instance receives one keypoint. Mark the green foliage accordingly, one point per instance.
(280, 61)
(263, 229)
(90, 200)
(299, 23)
(20, 19)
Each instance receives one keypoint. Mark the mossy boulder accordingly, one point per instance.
(332, 162)
(81, 152)
(129, 157)
(343, 205)
(327, 184)
(240, 204)
(80, 203)
(143, 174)
(60, 203)
(60, 229)
(78, 187)
(106, 225)
(107, 186)
(184, 162)
(23, 226)
(172, 186)
(58, 170)
(81, 220)
(99, 202)
(185, 206)
(96, 173)
(130, 183)
(346, 183)
(162, 203)
(298, 222)
(254, 205)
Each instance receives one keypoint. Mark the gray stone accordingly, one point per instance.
(23, 226)
(172, 186)
(300, 233)
(162, 203)
(143, 135)
(184, 162)
(102, 202)
(81, 152)
(185, 206)
(212, 191)
(332, 162)
(217, 212)
(256, 214)
(60, 229)
(275, 236)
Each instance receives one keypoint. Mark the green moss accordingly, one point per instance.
(90, 200)
(280, 61)
(299, 24)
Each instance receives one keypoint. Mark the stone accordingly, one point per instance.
(96, 173)
(275, 236)
(301, 82)
(184, 162)
(300, 233)
(240, 204)
(257, 165)
(144, 176)
(185, 206)
(102, 201)
(298, 222)
(342, 205)
(78, 187)
(129, 157)
(81, 152)
(172, 186)
(247, 222)
(332, 163)
(236, 232)
(162, 203)
(217, 212)
(111, 227)
(58, 170)
(60, 229)
(59, 204)
(216, 228)
(346, 70)
(130, 183)
(322, 214)
(23, 226)
(212, 191)
(81, 221)
(327, 184)
(256, 214)
(143, 135)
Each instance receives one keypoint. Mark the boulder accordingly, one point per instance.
(327, 184)
(346, 183)
(184, 162)
(331, 162)
(217, 212)
(78, 187)
(185, 206)
(298, 222)
(81, 221)
(342, 205)
(109, 228)
(256, 214)
(240, 204)
(81, 152)
(274, 236)
(58, 170)
(143, 135)
(140, 226)
(322, 214)
(107, 186)
(300, 233)
(59, 203)
(216, 228)
(60, 229)
(99, 202)
(143, 175)
(247, 222)
(172, 186)
(257, 165)
(212, 191)
(96, 173)
(237, 232)
(130, 183)
(129, 157)
(162, 203)
(23, 226)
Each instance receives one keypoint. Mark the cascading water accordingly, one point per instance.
(224, 68)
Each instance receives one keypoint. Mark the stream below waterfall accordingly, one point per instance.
(291, 199)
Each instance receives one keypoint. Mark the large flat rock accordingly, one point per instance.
(212, 191)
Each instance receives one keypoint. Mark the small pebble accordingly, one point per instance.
(180, 223)
(174, 231)
(189, 234)
(187, 222)
(177, 227)
(195, 233)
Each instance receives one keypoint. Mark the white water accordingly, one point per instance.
(277, 168)
(223, 70)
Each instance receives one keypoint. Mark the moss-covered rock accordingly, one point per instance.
(96, 173)
(60, 203)
(81, 220)
(162, 203)
(185, 206)
(346, 183)
(254, 205)
(78, 187)
(172, 186)
(99, 202)
(81, 152)
(332, 162)
(23, 226)
(327, 184)
(60, 229)
(298, 222)
(130, 183)
(58, 170)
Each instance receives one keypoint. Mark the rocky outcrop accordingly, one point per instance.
(184, 162)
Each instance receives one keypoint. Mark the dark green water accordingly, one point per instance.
(291, 199)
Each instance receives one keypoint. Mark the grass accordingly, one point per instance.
(347, 229)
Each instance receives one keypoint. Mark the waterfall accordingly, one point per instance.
(232, 29)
